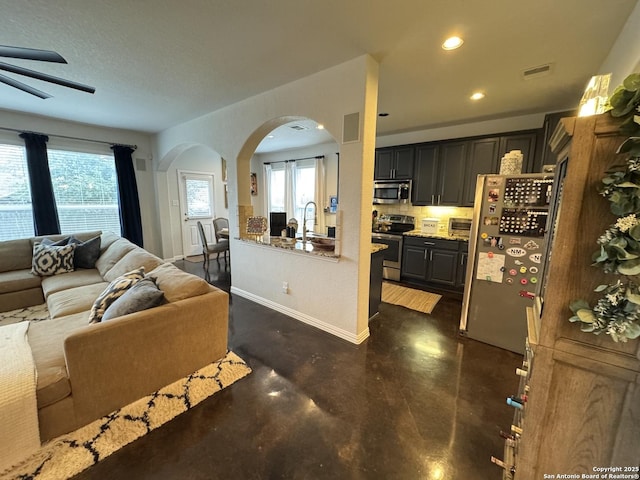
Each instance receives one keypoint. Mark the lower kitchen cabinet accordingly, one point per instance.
(462, 268)
(430, 261)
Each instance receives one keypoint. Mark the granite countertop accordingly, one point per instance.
(291, 244)
(377, 247)
(443, 236)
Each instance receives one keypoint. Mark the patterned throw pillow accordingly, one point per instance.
(115, 290)
(52, 259)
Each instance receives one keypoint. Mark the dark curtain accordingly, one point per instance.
(130, 218)
(45, 213)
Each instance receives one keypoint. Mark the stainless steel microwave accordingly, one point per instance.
(391, 191)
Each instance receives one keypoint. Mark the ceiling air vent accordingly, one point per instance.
(536, 72)
(299, 127)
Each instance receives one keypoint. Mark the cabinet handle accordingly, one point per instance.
(438, 199)
(430, 255)
(433, 199)
(461, 260)
(429, 243)
(425, 255)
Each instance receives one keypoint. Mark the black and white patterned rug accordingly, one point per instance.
(68, 455)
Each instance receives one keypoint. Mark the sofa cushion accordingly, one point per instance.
(133, 259)
(46, 340)
(17, 280)
(114, 252)
(116, 289)
(15, 255)
(74, 300)
(51, 259)
(177, 284)
(86, 253)
(73, 279)
(141, 296)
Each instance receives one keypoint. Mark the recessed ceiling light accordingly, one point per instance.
(477, 96)
(383, 114)
(320, 126)
(452, 43)
(270, 136)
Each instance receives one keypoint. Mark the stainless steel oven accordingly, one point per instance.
(394, 226)
(392, 255)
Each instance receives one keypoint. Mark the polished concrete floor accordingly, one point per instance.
(414, 401)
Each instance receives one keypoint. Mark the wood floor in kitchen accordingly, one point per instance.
(414, 401)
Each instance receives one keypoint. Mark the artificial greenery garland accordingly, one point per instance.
(617, 312)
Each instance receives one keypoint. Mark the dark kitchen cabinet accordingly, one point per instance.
(439, 174)
(425, 175)
(526, 143)
(483, 158)
(463, 258)
(452, 163)
(394, 163)
(430, 261)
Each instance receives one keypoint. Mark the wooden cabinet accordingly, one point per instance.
(583, 407)
(445, 172)
(439, 174)
(526, 143)
(483, 158)
(425, 175)
(463, 258)
(430, 261)
(394, 163)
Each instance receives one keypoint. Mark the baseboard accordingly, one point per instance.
(303, 317)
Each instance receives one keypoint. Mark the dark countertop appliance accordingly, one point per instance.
(389, 230)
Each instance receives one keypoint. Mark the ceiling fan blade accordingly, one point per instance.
(24, 87)
(31, 54)
(47, 78)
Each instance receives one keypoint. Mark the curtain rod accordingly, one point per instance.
(69, 138)
(296, 160)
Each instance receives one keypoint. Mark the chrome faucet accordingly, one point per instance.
(304, 219)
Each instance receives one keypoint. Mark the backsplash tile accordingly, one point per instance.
(441, 213)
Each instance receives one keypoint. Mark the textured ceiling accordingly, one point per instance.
(157, 63)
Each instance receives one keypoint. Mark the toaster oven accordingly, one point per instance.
(459, 227)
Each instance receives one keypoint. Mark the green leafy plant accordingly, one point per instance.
(625, 103)
(616, 313)
(620, 247)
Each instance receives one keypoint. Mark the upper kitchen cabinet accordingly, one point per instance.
(483, 158)
(425, 175)
(439, 174)
(394, 163)
(526, 143)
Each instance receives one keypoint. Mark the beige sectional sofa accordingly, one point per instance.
(85, 371)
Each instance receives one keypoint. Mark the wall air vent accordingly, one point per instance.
(536, 72)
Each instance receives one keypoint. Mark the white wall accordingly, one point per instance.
(60, 128)
(624, 57)
(330, 295)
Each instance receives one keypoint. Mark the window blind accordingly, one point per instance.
(86, 191)
(16, 215)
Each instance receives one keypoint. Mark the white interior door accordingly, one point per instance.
(196, 204)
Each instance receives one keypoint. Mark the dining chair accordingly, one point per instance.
(219, 224)
(209, 249)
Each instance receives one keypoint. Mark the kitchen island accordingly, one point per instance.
(375, 277)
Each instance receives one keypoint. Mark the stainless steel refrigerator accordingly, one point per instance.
(506, 264)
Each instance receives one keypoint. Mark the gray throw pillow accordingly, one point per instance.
(58, 243)
(86, 253)
(143, 295)
(114, 290)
